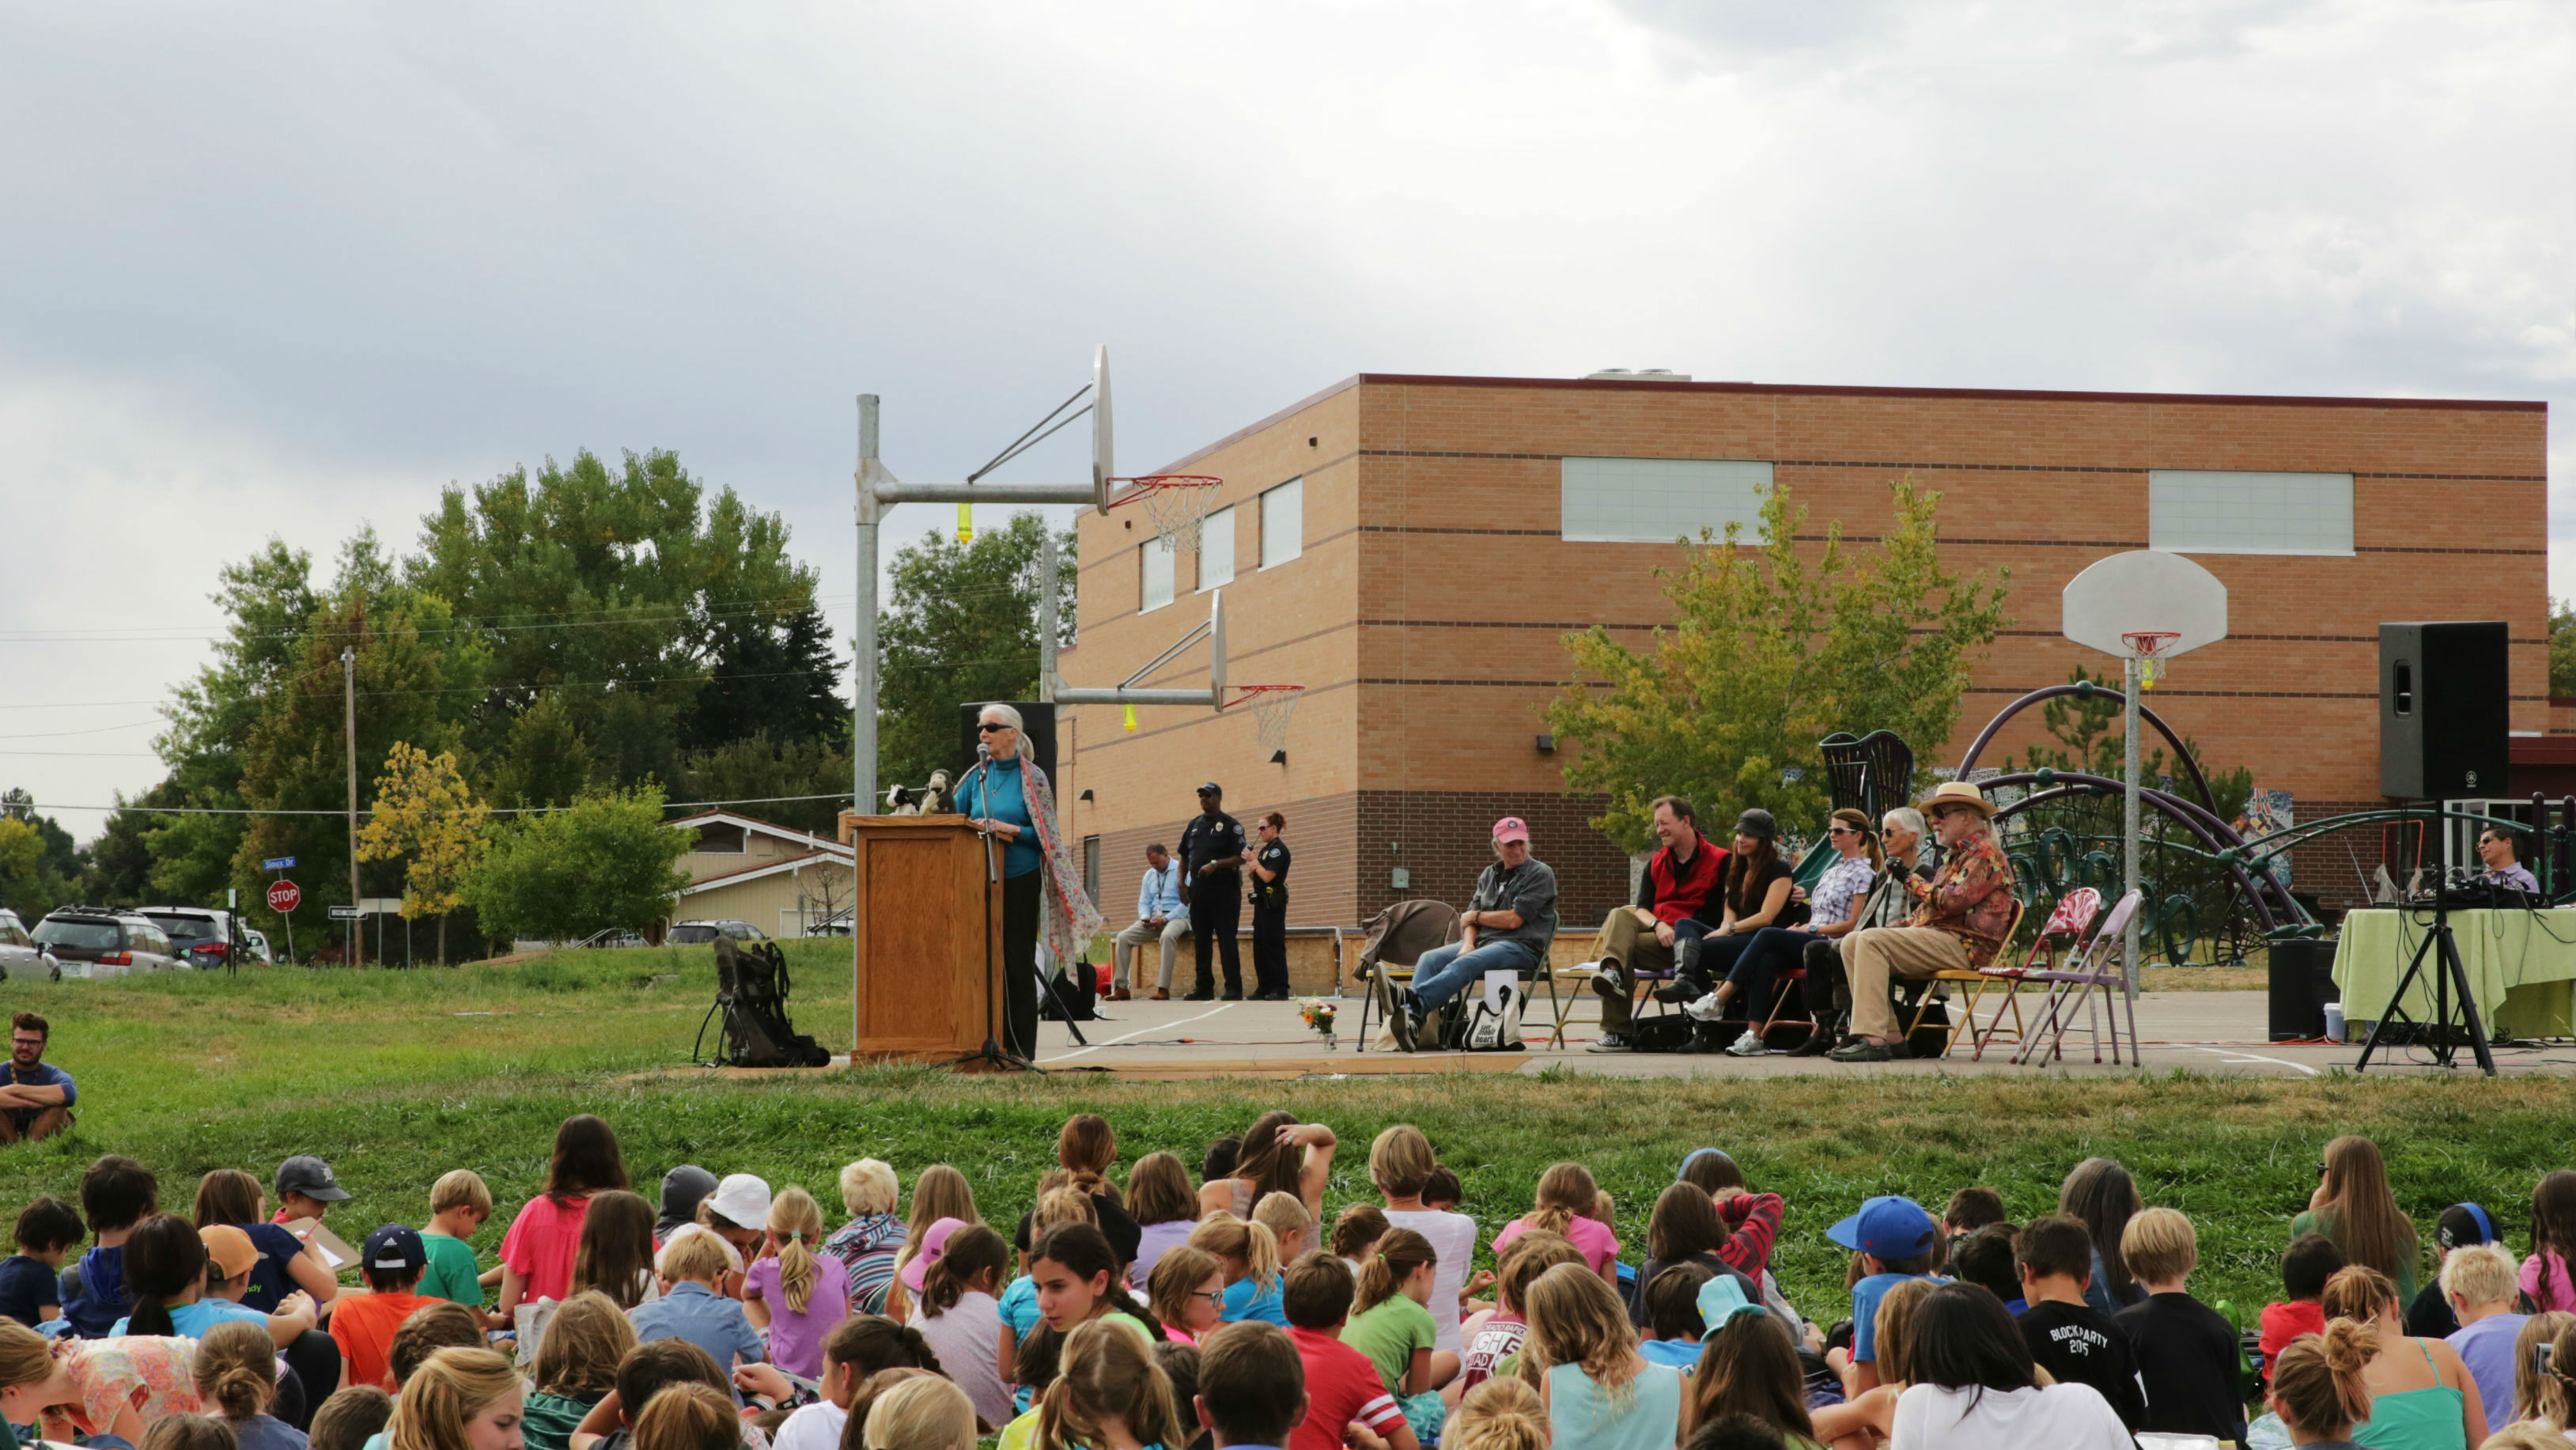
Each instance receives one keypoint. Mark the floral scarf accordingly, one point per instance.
(1070, 920)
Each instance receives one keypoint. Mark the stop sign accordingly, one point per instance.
(283, 897)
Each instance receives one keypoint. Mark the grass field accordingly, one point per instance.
(398, 1076)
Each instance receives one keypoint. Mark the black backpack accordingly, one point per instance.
(751, 992)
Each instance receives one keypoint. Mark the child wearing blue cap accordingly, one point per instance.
(1893, 1236)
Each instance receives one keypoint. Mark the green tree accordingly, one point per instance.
(39, 867)
(427, 818)
(756, 769)
(960, 624)
(604, 861)
(1769, 651)
(2562, 649)
(416, 674)
(619, 589)
(544, 761)
(772, 676)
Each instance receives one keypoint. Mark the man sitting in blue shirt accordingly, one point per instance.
(36, 1101)
(2495, 848)
(1159, 915)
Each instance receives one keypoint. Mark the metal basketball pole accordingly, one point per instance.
(2129, 806)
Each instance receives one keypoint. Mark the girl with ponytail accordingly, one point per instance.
(1251, 1258)
(1086, 1147)
(2421, 1392)
(1278, 1154)
(959, 1316)
(1567, 1197)
(1504, 1414)
(2317, 1386)
(1077, 1281)
(1391, 1324)
(1108, 1394)
(165, 1269)
(795, 1293)
(236, 1374)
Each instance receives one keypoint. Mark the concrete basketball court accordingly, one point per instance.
(2206, 1032)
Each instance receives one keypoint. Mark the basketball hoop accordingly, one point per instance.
(1272, 707)
(2148, 647)
(1176, 503)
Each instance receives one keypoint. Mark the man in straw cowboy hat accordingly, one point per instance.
(1958, 922)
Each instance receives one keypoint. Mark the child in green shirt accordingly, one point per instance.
(458, 1204)
(1392, 1326)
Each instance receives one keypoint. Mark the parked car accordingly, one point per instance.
(19, 954)
(106, 941)
(699, 933)
(259, 947)
(206, 937)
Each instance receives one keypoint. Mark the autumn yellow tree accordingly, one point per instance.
(427, 817)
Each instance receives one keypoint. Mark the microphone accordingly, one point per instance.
(983, 751)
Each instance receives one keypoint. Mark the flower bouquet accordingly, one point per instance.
(1317, 1012)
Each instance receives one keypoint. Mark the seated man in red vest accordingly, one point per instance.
(1678, 894)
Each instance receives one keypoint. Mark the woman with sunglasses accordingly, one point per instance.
(1835, 909)
(1041, 887)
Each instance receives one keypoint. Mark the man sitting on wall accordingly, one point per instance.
(1677, 894)
(1507, 926)
(1958, 922)
(1159, 915)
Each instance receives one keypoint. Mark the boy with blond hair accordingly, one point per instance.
(2480, 1281)
(458, 1204)
(2186, 1352)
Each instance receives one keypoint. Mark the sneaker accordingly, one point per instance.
(1612, 1042)
(1608, 983)
(1749, 1045)
(1404, 1017)
(1706, 1009)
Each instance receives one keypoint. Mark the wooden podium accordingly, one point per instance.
(918, 924)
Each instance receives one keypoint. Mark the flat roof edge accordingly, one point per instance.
(1828, 390)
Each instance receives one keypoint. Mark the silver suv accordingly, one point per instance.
(206, 938)
(19, 954)
(106, 941)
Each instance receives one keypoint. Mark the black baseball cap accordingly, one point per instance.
(311, 1177)
(1211, 788)
(394, 1246)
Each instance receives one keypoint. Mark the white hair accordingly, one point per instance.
(1001, 712)
(1904, 817)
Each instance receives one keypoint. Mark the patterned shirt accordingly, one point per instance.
(1972, 898)
(1831, 901)
(866, 1246)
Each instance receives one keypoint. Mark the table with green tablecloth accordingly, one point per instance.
(2521, 965)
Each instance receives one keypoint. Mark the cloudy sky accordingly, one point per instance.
(291, 268)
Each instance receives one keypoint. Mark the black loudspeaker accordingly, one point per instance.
(2444, 716)
(1037, 736)
(2302, 973)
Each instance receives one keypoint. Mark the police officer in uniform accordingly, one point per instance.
(1269, 865)
(1211, 851)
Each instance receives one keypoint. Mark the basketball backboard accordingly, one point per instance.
(2145, 589)
(1216, 647)
(1103, 463)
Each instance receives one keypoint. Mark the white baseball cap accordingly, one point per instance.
(742, 1198)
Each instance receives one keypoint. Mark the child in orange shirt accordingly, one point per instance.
(364, 1324)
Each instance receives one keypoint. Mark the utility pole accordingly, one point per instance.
(863, 651)
(349, 733)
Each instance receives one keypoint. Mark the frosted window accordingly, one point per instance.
(1283, 523)
(1658, 500)
(1156, 561)
(1216, 549)
(2199, 512)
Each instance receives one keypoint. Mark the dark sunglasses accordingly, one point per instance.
(987, 727)
(1844, 831)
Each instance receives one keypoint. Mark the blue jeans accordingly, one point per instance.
(1763, 957)
(1445, 971)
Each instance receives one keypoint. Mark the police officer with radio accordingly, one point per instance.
(1211, 850)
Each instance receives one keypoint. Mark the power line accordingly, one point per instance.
(760, 800)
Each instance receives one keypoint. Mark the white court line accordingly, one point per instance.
(1139, 1032)
(2234, 1056)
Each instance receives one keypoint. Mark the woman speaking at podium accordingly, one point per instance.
(1008, 795)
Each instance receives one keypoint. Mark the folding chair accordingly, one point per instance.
(1976, 982)
(1376, 971)
(1585, 974)
(2065, 927)
(2088, 973)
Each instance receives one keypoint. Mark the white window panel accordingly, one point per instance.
(1283, 523)
(1156, 567)
(1658, 500)
(1216, 550)
(2196, 511)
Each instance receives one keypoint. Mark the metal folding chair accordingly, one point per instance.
(1976, 982)
(2064, 930)
(2092, 970)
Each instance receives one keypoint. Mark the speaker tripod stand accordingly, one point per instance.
(2448, 975)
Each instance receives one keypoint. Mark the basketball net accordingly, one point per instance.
(1273, 706)
(1176, 504)
(2148, 647)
